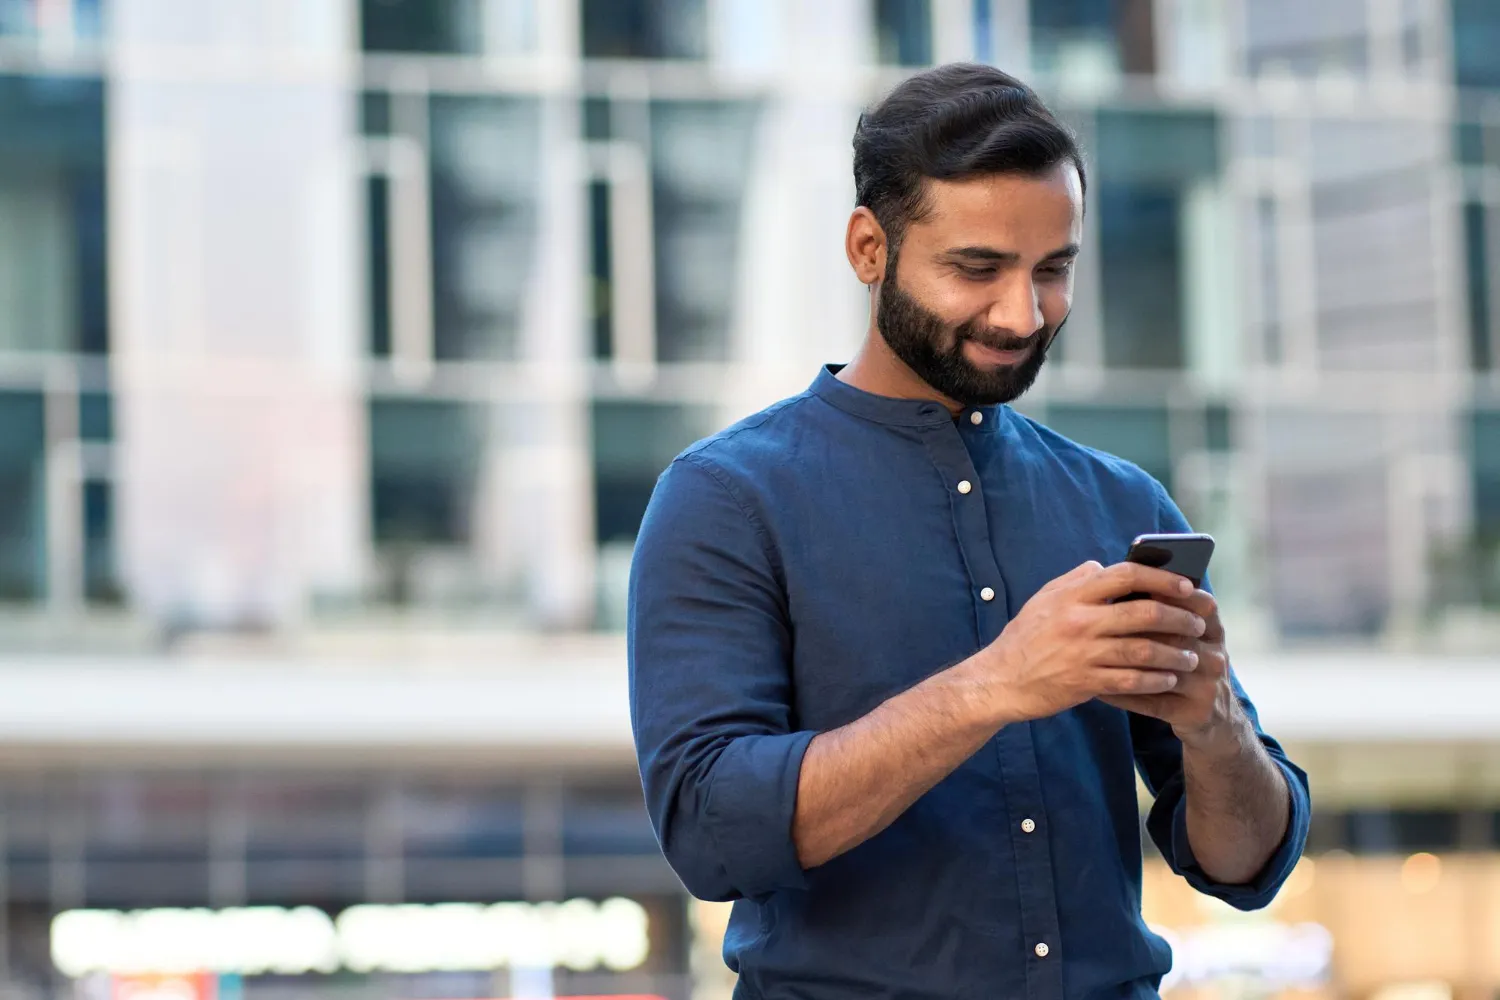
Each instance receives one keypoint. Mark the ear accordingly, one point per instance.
(865, 246)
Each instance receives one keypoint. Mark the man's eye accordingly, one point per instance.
(977, 273)
(1057, 270)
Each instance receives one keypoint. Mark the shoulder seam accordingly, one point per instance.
(765, 415)
(714, 472)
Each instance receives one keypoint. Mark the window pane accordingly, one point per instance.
(486, 176)
(903, 32)
(1484, 443)
(701, 156)
(1075, 38)
(453, 27)
(1476, 39)
(1141, 260)
(53, 280)
(644, 29)
(423, 457)
(1156, 146)
(1477, 252)
(22, 538)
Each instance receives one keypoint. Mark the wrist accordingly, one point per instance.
(988, 697)
(1225, 737)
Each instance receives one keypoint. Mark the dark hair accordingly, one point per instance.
(958, 120)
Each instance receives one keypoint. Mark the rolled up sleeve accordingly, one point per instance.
(710, 689)
(1158, 755)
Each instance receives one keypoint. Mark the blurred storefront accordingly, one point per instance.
(255, 884)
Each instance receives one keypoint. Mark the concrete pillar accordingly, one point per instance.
(237, 329)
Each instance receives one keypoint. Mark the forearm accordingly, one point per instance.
(857, 779)
(1238, 805)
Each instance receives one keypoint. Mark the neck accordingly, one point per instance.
(876, 369)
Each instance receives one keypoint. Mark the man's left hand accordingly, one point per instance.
(1202, 710)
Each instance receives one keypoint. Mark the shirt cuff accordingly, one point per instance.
(749, 811)
(1259, 891)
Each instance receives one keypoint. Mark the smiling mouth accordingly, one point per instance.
(978, 352)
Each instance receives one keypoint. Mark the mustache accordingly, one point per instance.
(1004, 341)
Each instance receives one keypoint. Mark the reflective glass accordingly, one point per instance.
(486, 177)
(701, 155)
(644, 29)
(903, 32)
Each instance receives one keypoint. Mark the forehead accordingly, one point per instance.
(1044, 209)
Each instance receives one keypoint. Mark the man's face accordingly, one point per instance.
(983, 282)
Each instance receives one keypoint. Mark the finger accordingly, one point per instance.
(1136, 617)
(1199, 602)
(1137, 653)
(1077, 574)
(1133, 578)
(1135, 682)
(1157, 706)
(1179, 641)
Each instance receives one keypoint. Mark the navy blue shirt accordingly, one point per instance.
(812, 561)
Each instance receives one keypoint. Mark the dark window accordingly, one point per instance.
(1476, 39)
(1400, 831)
(101, 581)
(1218, 429)
(1122, 28)
(438, 26)
(375, 112)
(1484, 454)
(1477, 253)
(645, 29)
(903, 32)
(52, 203)
(377, 203)
(22, 539)
(423, 456)
(607, 823)
(456, 821)
(600, 272)
(701, 157)
(1145, 162)
(486, 178)
(1140, 247)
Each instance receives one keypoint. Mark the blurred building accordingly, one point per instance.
(341, 342)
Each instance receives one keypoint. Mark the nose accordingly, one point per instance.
(1017, 307)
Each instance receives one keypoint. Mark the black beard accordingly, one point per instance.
(921, 339)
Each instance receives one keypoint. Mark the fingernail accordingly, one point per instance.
(1202, 626)
(1190, 656)
(1171, 680)
(1186, 586)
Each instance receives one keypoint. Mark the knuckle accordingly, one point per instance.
(1149, 614)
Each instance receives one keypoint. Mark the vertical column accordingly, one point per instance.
(234, 254)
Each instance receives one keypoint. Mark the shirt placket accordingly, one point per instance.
(1014, 745)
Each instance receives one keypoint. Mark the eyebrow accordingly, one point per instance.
(991, 255)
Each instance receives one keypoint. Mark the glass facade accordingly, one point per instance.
(632, 231)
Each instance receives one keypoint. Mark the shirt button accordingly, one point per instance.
(987, 594)
(1041, 949)
(964, 486)
(976, 418)
(1028, 825)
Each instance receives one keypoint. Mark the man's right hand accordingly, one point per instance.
(1070, 643)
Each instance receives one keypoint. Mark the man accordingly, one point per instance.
(882, 695)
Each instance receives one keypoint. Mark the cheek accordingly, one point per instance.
(1056, 300)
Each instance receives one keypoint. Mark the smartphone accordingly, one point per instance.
(1185, 555)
